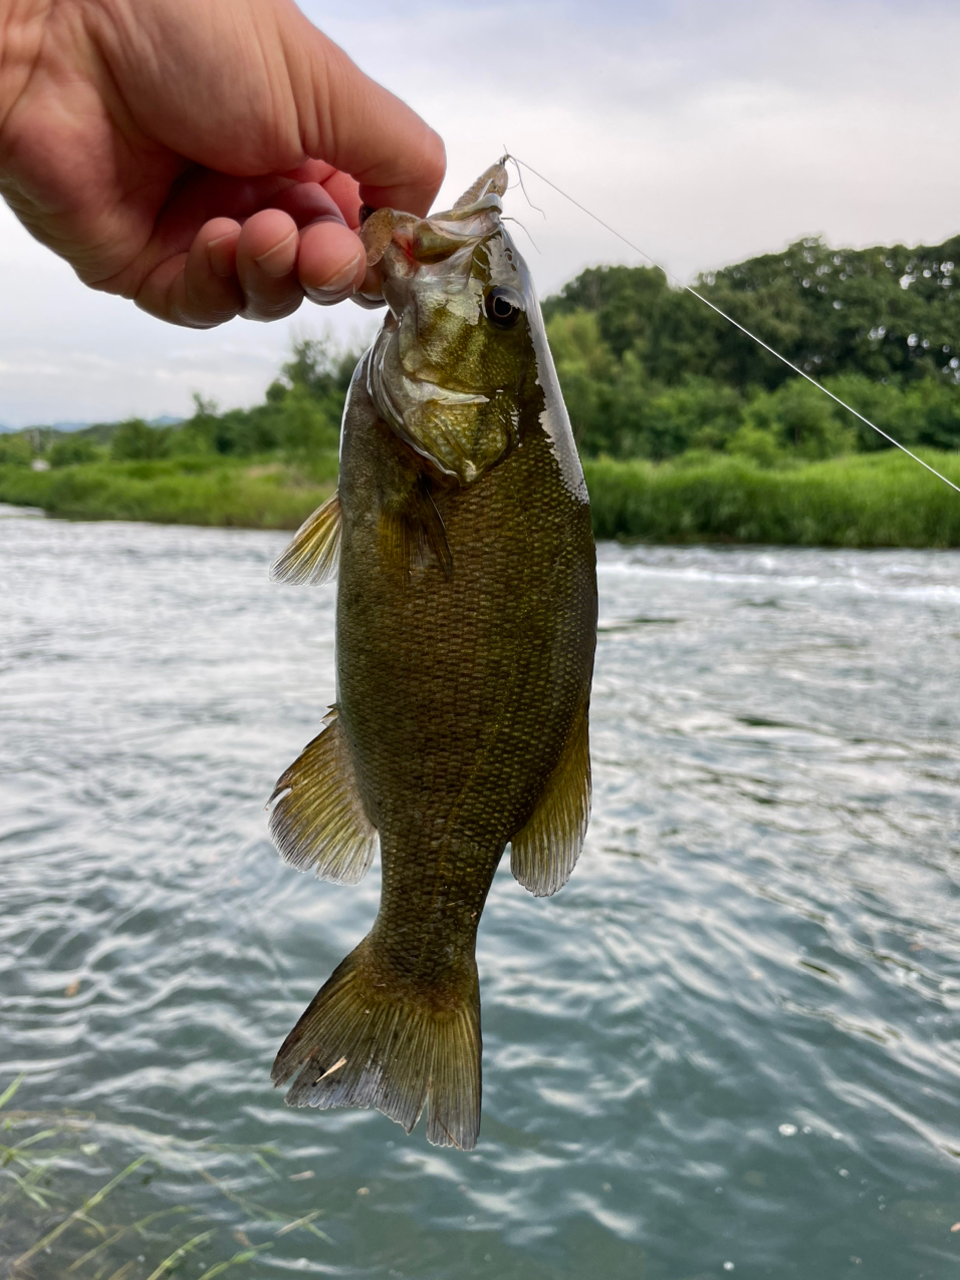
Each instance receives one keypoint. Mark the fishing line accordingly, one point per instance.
(507, 156)
(736, 323)
(506, 218)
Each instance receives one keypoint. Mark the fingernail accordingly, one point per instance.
(279, 261)
(339, 286)
(369, 301)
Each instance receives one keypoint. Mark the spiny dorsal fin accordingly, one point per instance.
(367, 1041)
(313, 554)
(319, 819)
(545, 851)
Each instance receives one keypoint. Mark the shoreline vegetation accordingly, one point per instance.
(873, 500)
(688, 431)
(51, 1159)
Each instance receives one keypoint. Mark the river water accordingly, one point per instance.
(729, 1045)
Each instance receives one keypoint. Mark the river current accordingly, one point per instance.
(728, 1046)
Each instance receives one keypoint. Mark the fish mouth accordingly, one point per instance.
(438, 238)
(390, 237)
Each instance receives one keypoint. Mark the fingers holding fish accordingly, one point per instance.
(266, 265)
(295, 237)
(198, 288)
(263, 269)
(333, 263)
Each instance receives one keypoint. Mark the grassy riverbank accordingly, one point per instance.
(207, 490)
(859, 500)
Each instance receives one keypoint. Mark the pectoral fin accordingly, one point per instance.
(319, 819)
(412, 533)
(314, 553)
(545, 851)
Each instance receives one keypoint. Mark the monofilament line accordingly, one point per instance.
(730, 320)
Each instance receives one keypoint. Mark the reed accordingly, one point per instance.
(859, 500)
(271, 495)
(53, 1225)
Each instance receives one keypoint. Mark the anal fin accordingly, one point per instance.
(319, 819)
(545, 851)
(314, 553)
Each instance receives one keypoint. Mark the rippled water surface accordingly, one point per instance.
(729, 1045)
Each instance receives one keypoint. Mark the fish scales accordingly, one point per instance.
(457, 755)
(466, 623)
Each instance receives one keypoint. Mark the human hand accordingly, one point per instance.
(205, 159)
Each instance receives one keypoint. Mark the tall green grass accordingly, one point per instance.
(199, 491)
(860, 500)
(73, 1202)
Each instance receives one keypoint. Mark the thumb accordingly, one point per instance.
(355, 124)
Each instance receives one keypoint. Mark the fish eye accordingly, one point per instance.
(502, 307)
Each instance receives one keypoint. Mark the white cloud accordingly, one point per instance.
(705, 132)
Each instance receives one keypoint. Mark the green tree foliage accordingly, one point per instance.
(885, 313)
(134, 439)
(15, 450)
(649, 371)
(318, 369)
(300, 414)
(71, 451)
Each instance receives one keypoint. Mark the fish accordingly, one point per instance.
(466, 621)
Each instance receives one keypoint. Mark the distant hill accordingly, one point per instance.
(67, 428)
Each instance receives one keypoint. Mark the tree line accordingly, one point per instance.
(648, 371)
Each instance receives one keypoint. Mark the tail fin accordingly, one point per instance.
(359, 1044)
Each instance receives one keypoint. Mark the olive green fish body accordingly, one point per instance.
(460, 693)
(466, 622)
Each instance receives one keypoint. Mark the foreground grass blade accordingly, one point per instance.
(134, 1226)
(305, 1221)
(123, 1272)
(10, 1090)
(94, 1200)
(245, 1256)
(179, 1254)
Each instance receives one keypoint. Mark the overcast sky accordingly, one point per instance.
(705, 130)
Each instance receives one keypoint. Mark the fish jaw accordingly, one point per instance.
(440, 374)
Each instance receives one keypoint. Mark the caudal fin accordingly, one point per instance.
(359, 1044)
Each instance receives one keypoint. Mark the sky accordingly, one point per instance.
(705, 131)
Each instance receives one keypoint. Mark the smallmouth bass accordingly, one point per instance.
(466, 627)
